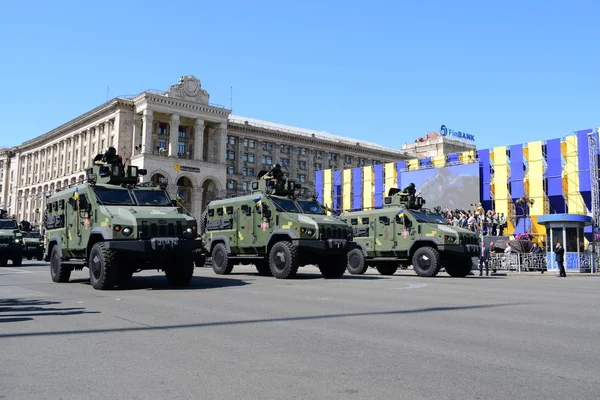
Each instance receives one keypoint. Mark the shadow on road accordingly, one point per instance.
(256, 321)
(159, 282)
(19, 310)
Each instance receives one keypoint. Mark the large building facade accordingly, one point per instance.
(434, 144)
(202, 149)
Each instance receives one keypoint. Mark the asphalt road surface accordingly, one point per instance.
(249, 337)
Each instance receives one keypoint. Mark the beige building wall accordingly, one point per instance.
(203, 150)
(434, 144)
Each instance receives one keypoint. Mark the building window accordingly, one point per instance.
(361, 162)
(268, 146)
(301, 151)
(285, 162)
(317, 167)
(266, 160)
(285, 149)
(302, 178)
(231, 184)
(301, 164)
(248, 171)
(248, 157)
(318, 154)
(375, 162)
(249, 143)
(182, 132)
(103, 144)
(163, 128)
(231, 155)
(348, 159)
(245, 186)
(181, 148)
(332, 157)
(231, 140)
(231, 170)
(162, 144)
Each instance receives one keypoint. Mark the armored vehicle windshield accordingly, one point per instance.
(8, 224)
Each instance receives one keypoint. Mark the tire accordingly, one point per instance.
(426, 262)
(58, 271)
(182, 272)
(283, 260)
(103, 267)
(199, 258)
(3, 262)
(40, 257)
(356, 262)
(333, 266)
(263, 268)
(221, 263)
(29, 258)
(459, 267)
(17, 260)
(387, 269)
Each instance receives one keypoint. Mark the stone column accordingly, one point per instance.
(39, 167)
(222, 142)
(89, 156)
(173, 135)
(147, 120)
(64, 153)
(199, 140)
(136, 135)
(82, 137)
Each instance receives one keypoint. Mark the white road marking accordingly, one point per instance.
(411, 286)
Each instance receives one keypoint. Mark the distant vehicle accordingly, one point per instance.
(116, 227)
(404, 233)
(11, 240)
(276, 230)
(33, 245)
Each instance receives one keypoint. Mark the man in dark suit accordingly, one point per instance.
(484, 255)
(559, 253)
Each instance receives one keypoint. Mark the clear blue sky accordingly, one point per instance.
(384, 71)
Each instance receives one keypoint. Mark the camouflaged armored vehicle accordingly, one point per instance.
(116, 227)
(404, 233)
(33, 245)
(11, 240)
(276, 230)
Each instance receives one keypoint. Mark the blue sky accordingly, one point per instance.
(384, 71)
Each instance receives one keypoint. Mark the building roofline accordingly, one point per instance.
(246, 122)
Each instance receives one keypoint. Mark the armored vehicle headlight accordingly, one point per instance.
(449, 239)
(307, 231)
(117, 228)
(18, 240)
(127, 231)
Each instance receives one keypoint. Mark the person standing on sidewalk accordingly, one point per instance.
(483, 259)
(559, 253)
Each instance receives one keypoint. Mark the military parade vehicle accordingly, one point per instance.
(11, 240)
(404, 233)
(115, 227)
(33, 245)
(276, 230)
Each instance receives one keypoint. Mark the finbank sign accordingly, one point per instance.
(444, 131)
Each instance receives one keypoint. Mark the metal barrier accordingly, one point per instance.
(520, 262)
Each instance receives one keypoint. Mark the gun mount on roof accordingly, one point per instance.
(275, 183)
(398, 197)
(108, 169)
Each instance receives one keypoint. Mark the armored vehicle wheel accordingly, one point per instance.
(3, 262)
(181, 273)
(103, 267)
(40, 257)
(459, 267)
(221, 263)
(58, 271)
(356, 262)
(333, 266)
(18, 260)
(387, 269)
(263, 268)
(283, 260)
(426, 262)
(29, 258)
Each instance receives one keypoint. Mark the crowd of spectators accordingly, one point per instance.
(476, 220)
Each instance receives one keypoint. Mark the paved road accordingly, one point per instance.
(250, 337)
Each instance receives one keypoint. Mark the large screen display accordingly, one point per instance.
(455, 187)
